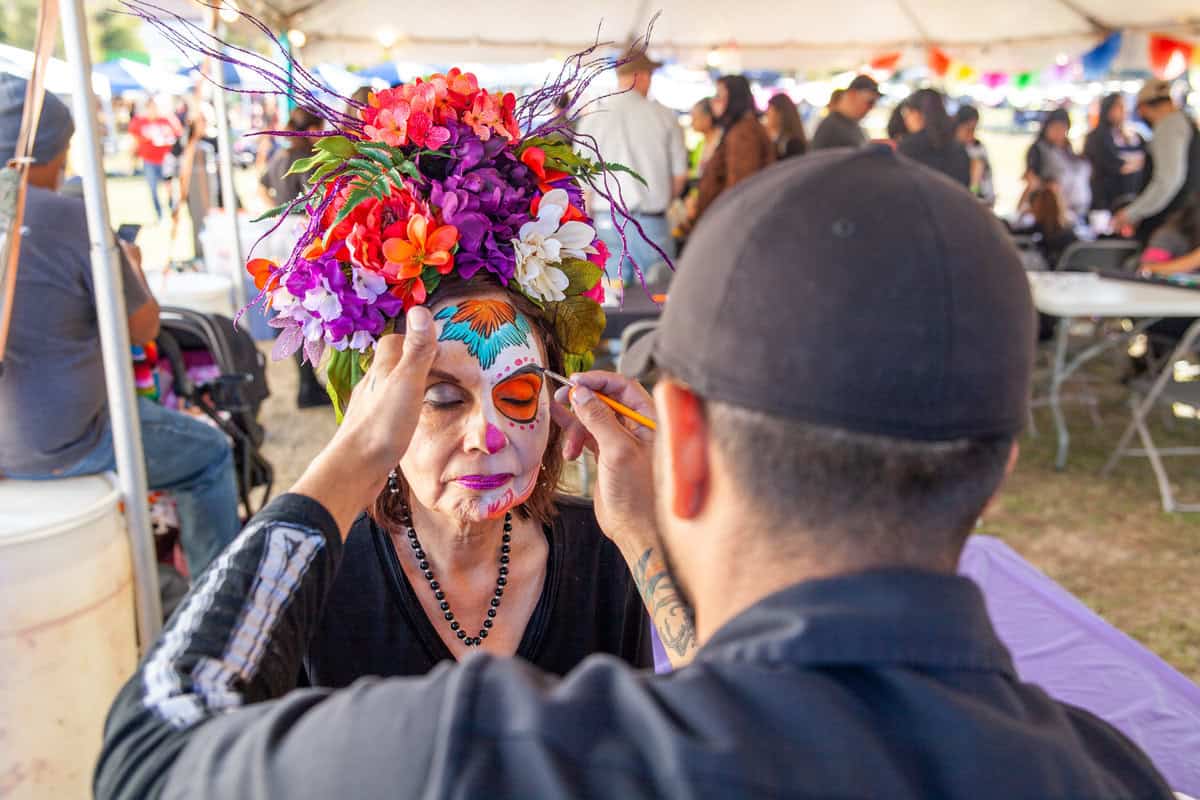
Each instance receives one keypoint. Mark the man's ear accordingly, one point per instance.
(683, 432)
(1013, 455)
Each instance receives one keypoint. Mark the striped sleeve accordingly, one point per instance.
(236, 639)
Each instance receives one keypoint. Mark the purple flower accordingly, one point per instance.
(486, 193)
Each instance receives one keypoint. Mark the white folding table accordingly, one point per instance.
(1073, 295)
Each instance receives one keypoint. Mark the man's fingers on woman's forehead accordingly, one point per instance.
(388, 350)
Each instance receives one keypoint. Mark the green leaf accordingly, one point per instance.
(556, 150)
(343, 370)
(365, 164)
(611, 167)
(396, 178)
(302, 165)
(380, 157)
(582, 274)
(579, 323)
(409, 168)
(274, 212)
(578, 362)
(322, 172)
(338, 146)
(356, 197)
(431, 278)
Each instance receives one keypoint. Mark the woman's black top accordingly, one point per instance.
(950, 159)
(789, 147)
(1110, 188)
(374, 623)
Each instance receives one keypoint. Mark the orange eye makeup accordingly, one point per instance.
(517, 396)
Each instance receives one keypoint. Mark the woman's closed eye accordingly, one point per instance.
(444, 395)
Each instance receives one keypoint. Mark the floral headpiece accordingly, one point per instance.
(437, 178)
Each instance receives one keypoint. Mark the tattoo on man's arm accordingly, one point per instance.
(672, 616)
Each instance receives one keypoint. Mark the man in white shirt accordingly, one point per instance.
(631, 129)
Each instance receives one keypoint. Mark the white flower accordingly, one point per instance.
(367, 285)
(323, 302)
(537, 278)
(545, 242)
(282, 301)
(361, 341)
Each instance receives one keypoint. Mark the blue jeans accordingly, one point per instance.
(154, 174)
(657, 230)
(191, 460)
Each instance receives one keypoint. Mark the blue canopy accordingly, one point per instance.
(124, 76)
(385, 72)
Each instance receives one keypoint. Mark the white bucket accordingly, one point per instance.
(67, 634)
(198, 291)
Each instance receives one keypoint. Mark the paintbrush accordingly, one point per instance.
(620, 408)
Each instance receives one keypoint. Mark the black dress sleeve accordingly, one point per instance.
(236, 640)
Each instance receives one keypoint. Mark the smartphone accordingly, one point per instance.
(128, 232)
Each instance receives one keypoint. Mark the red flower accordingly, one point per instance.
(535, 159)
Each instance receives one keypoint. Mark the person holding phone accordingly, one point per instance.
(52, 392)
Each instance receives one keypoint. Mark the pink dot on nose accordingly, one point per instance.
(494, 440)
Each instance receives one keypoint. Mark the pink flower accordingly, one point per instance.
(491, 112)
(407, 115)
(596, 292)
(600, 257)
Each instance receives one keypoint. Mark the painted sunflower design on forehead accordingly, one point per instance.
(486, 327)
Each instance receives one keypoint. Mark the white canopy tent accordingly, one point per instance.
(760, 34)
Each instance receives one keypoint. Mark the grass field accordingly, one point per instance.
(1106, 541)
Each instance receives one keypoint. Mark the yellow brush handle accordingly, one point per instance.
(626, 411)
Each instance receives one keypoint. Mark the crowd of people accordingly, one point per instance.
(787, 528)
(1118, 184)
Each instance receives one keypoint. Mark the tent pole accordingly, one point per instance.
(225, 161)
(114, 331)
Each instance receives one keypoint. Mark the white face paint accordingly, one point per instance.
(478, 447)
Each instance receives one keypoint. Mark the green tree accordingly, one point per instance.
(20, 23)
(114, 35)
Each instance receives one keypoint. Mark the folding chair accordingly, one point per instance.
(630, 335)
(1119, 254)
(1164, 389)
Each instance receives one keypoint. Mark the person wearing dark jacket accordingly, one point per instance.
(745, 146)
(810, 517)
(1117, 155)
(931, 139)
(785, 127)
(842, 126)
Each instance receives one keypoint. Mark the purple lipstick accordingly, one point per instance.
(484, 483)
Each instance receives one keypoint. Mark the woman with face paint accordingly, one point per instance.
(469, 547)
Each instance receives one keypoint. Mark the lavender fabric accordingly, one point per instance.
(1059, 644)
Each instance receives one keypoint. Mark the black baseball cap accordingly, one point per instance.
(864, 83)
(852, 289)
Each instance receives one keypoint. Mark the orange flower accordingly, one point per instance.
(260, 269)
(407, 258)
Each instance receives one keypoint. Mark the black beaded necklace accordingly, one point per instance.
(440, 595)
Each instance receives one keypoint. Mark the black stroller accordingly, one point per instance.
(233, 399)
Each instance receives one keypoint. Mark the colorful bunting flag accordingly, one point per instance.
(938, 61)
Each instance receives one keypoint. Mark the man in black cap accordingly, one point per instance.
(811, 508)
(52, 392)
(841, 126)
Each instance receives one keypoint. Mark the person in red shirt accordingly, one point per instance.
(154, 134)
